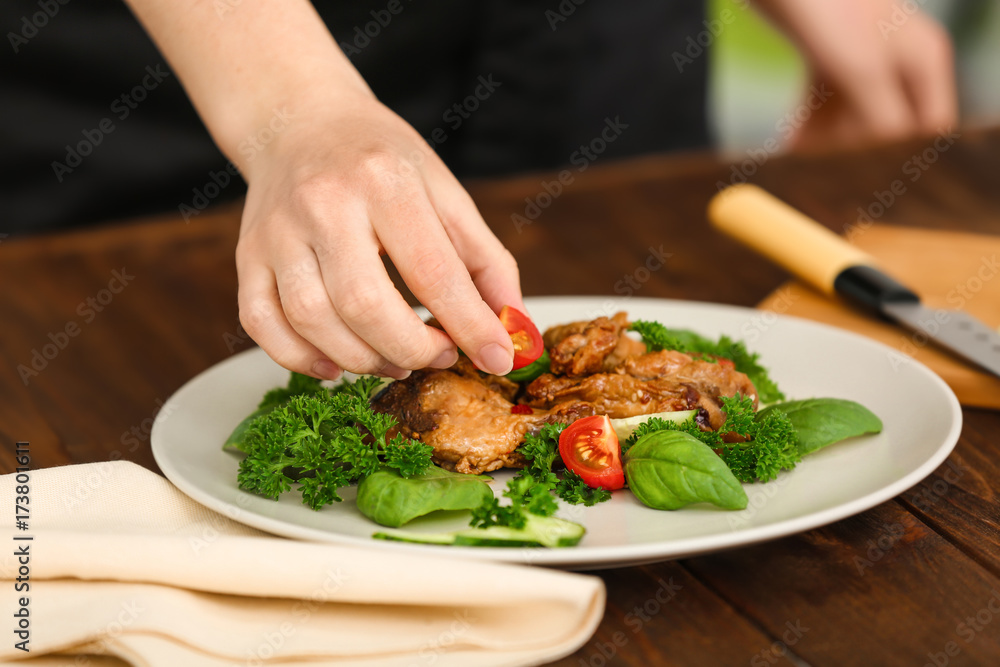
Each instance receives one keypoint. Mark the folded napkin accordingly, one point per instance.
(947, 269)
(123, 564)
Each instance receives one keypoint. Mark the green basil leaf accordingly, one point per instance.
(819, 422)
(391, 500)
(667, 470)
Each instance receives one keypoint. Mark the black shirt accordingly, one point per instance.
(95, 126)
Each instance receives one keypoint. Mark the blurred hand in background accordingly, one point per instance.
(888, 66)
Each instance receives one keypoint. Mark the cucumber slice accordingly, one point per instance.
(625, 426)
(531, 371)
(538, 531)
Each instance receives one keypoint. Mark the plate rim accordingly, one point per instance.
(595, 557)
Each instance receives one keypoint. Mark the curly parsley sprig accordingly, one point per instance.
(530, 491)
(323, 441)
(770, 447)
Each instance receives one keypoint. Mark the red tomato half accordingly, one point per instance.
(528, 345)
(589, 447)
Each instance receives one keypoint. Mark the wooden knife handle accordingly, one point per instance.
(784, 235)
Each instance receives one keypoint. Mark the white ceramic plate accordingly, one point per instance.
(921, 416)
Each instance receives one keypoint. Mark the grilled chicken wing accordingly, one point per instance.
(714, 378)
(582, 348)
(465, 417)
(645, 384)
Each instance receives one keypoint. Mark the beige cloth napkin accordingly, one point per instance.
(123, 564)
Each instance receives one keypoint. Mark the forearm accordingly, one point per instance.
(241, 65)
(817, 26)
(889, 68)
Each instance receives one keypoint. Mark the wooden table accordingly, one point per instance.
(914, 581)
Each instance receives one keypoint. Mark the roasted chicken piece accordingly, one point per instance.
(645, 384)
(581, 348)
(716, 379)
(465, 417)
(612, 394)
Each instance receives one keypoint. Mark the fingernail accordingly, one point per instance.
(446, 359)
(495, 359)
(326, 369)
(393, 371)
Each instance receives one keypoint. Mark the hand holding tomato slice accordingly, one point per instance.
(528, 345)
(589, 447)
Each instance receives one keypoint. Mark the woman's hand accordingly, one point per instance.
(890, 70)
(339, 184)
(347, 181)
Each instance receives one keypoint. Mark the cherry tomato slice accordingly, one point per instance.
(589, 447)
(528, 345)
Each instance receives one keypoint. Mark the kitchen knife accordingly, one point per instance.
(827, 262)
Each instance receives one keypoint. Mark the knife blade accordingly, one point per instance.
(827, 262)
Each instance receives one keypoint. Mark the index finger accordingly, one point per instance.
(416, 241)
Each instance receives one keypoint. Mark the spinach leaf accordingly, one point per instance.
(389, 499)
(668, 469)
(819, 422)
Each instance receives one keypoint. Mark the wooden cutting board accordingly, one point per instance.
(954, 270)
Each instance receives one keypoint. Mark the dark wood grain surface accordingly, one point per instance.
(123, 315)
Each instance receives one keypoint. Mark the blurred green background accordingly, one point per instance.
(757, 76)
